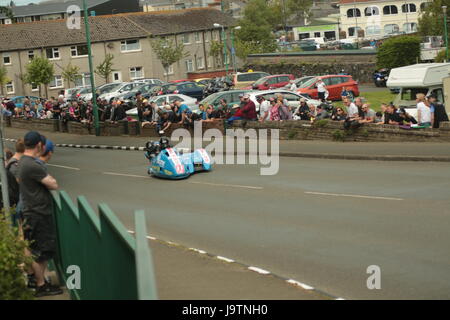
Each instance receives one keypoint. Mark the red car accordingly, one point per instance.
(177, 81)
(271, 82)
(334, 85)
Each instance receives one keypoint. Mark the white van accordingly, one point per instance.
(426, 78)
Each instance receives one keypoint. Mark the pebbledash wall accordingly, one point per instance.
(288, 130)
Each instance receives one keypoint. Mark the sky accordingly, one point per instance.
(19, 2)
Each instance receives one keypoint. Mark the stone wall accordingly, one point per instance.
(289, 130)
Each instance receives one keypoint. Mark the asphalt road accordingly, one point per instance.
(309, 222)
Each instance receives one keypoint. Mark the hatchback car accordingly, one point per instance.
(245, 79)
(272, 82)
(232, 98)
(163, 100)
(333, 83)
(292, 98)
(190, 89)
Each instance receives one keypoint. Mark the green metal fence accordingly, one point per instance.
(113, 263)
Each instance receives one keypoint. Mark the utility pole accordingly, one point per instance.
(444, 9)
(91, 69)
(3, 175)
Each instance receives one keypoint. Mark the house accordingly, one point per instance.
(54, 11)
(126, 36)
(379, 18)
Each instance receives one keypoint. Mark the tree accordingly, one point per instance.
(398, 52)
(167, 52)
(431, 22)
(3, 78)
(71, 74)
(105, 68)
(39, 71)
(7, 12)
(255, 35)
(216, 50)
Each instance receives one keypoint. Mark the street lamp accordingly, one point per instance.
(224, 39)
(444, 9)
(233, 49)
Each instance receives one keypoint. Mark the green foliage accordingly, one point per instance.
(441, 56)
(39, 71)
(12, 257)
(3, 78)
(71, 73)
(398, 52)
(321, 123)
(6, 11)
(431, 21)
(216, 49)
(292, 134)
(255, 35)
(299, 8)
(105, 68)
(167, 51)
(339, 135)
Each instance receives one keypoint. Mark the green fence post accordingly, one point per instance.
(144, 264)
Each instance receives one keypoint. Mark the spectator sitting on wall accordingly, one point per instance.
(119, 112)
(302, 111)
(165, 121)
(379, 118)
(352, 109)
(407, 118)
(392, 116)
(369, 114)
(423, 111)
(339, 115)
(249, 109)
(264, 109)
(437, 111)
(322, 113)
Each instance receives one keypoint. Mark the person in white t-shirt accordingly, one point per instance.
(423, 111)
(321, 90)
(293, 87)
(352, 109)
(264, 109)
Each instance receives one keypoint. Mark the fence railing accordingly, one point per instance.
(113, 264)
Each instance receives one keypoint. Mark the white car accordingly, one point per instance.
(119, 90)
(293, 98)
(150, 81)
(163, 100)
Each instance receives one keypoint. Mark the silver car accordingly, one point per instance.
(166, 99)
(293, 98)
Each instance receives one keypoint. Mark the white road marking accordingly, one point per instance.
(299, 284)
(353, 196)
(259, 270)
(339, 299)
(63, 167)
(226, 185)
(225, 259)
(151, 238)
(123, 175)
(198, 251)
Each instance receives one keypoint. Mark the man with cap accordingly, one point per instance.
(47, 152)
(249, 109)
(39, 228)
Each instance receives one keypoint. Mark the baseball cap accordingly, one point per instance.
(49, 147)
(241, 95)
(246, 96)
(32, 138)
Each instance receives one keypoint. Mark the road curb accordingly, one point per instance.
(332, 156)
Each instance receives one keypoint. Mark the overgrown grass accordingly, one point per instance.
(374, 98)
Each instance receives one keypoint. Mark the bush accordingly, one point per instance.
(321, 123)
(441, 56)
(12, 260)
(339, 135)
(398, 52)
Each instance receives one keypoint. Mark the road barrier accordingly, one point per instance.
(113, 264)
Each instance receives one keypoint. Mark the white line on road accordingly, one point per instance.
(353, 196)
(259, 270)
(225, 259)
(198, 251)
(64, 167)
(123, 175)
(299, 284)
(226, 185)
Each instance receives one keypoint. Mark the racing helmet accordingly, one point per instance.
(164, 142)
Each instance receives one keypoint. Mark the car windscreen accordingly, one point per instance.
(210, 99)
(308, 83)
(109, 88)
(261, 81)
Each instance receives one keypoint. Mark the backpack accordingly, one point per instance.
(13, 185)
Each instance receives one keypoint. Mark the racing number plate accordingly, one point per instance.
(178, 165)
(204, 155)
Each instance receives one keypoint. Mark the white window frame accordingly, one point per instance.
(55, 50)
(187, 63)
(7, 55)
(119, 73)
(198, 37)
(184, 36)
(74, 49)
(30, 53)
(135, 71)
(169, 71)
(202, 64)
(34, 89)
(124, 44)
(57, 79)
(10, 85)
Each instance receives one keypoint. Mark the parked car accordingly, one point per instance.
(145, 89)
(118, 90)
(149, 81)
(69, 93)
(202, 82)
(180, 80)
(380, 77)
(292, 97)
(85, 94)
(187, 88)
(298, 82)
(334, 85)
(19, 100)
(163, 100)
(232, 97)
(272, 82)
(245, 79)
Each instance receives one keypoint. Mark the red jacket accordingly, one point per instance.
(249, 111)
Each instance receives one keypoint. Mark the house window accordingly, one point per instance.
(30, 55)
(410, 27)
(354, 12)
(197, 37)
(185, 38)
(391, 28)
(130, 45)
(371, 11)
(79, 51)
(84, 80)
(34, 87)
(353, 31)
(169, 71)
(200, 63)
(316, 34)
(409, 7)
(189, 66)
(53, 53)
(57, 82)
(10, 88)
(136, 73)
(373, 30)
(390, 10)
(6, 59)
(206, 37)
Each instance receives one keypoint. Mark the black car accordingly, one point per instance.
(190, 89)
